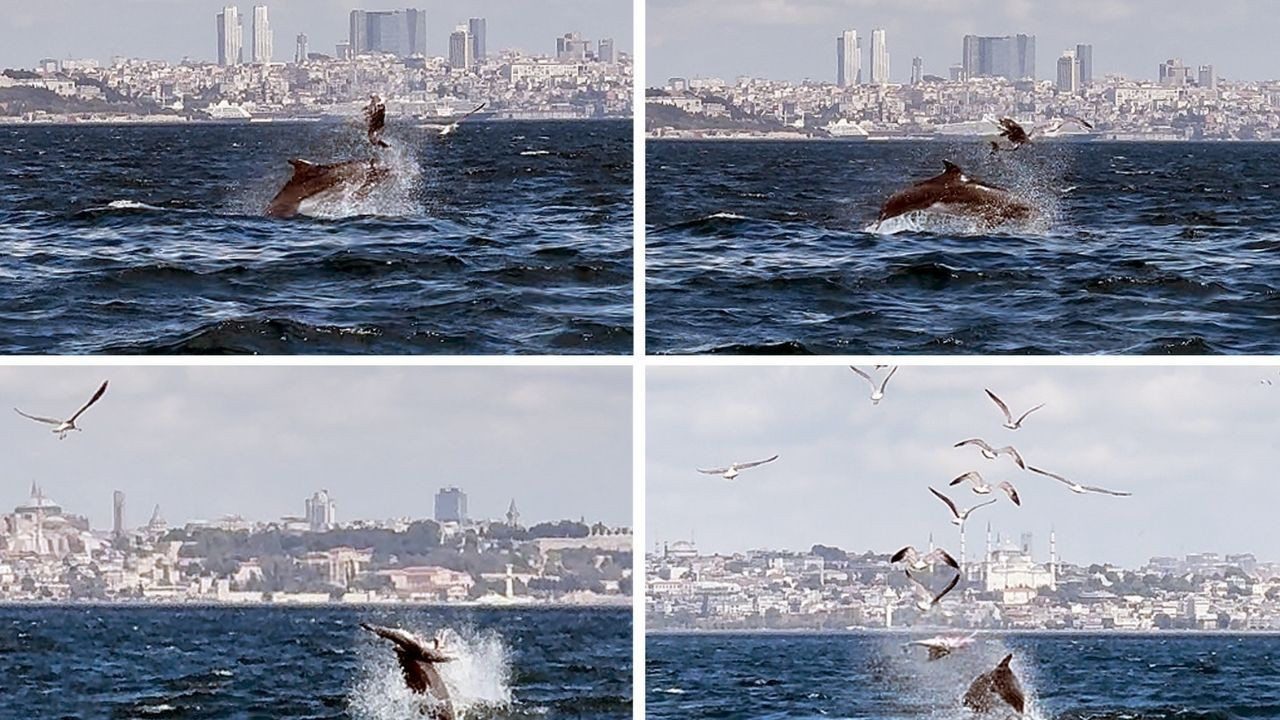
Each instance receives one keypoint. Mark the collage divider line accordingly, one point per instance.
(639, 364)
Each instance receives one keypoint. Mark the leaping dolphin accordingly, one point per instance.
(994, 687)
(418, 662)
(312, 182)
(954, 192)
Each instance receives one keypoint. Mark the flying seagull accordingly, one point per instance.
(877, 392)
(1009, 422)
(925, 598)
(991, 453)
(958, 516)
(62, 427)
(941, 646)
(1076, 487)
(418, 660)
(918, 562)
(375, 113)
(734, 469)
(452, 127)
(1018, 136)
(982, 487)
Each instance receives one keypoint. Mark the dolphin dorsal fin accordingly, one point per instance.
(1005, 661)
(951, 168)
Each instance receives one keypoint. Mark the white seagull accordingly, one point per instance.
(991, 453)
(1009, 422)
(925, 599)
(452, 127)
(734, 469)
(940, 646)
(920, 563)
(62, 427)
(877, 392)
(1076, 487)
(982, 487)
(958, 516)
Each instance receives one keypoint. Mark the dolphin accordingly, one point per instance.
(953, 192)
(994, 687)
(312, 181)
(418, 661)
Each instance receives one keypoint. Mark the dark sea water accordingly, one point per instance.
(871, 677)
(306, 663)
(503, 238)
(761, 247)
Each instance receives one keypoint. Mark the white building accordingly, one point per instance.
(261, 35)
(879, 58)
(230, 37)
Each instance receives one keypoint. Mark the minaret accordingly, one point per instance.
(930, 542)
(1053, 559)
(513, 515)
(988, 558)
(962, 557)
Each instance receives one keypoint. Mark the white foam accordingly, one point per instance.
(395, 196)
(535, 152)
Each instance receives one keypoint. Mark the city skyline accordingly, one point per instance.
(788, 40)
(857, 476)
(257, 442)
(79, 29)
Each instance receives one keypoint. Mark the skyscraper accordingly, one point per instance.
(1084, 56)
(917, 70)
(261, 35)
(1012, 57)
(300, 53)
(397, 32)
(879, 58)
(230, 37)
(1068, 72)
(605, 54)
(479, 35)
(1174, 74)
(117, 514)
(572, 48)
(460, 47)
(1207, 77)
(321, 511)
(848, 59)
(451, 505)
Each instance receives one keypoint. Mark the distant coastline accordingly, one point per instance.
(852, 632)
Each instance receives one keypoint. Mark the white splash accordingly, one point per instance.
(942, 683)
(479, 679)
(396, 196)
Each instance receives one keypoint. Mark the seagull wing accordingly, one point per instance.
(757, 463)
(944, 556)
(1013, 452)
(1046, 473)
(37, 418)
(1012, 492)
(885, 382)
(981, 504)
(101, 389)
(479, 107)
(1025, 414)
(907, 553)
(864, 376)
(973, 476)
(950, 586)
(975, 441)
(713, 471)
(1079, 121)
(1003, 408)
(946, 500)
(919, 589)
(1104, 491)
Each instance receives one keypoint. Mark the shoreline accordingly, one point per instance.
(673, 632)
(194, 604)
(9, 122)
(942, 139)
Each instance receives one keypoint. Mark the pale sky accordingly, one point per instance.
(256, 441)
(1196, 446)
(795, 39)
(173, 29)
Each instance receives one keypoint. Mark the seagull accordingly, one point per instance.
(62, 427)
(991, 453)
(940, 646)
(375, 114)
(1009, 422)
(1076, 487)
(452, 127)
(1018, 136)
(877, 393)
(958, 516)
(417, 661)
(981, 487)
(925, 598)
(916, 561)
(734, 469)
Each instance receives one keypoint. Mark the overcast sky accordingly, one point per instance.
(208, 441)
(1196, 446)
(173, 29)
(795, 39)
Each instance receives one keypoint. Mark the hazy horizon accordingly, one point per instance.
(1193, 444)
(166, 30)
(795, 40)
(204, 442)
